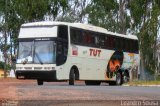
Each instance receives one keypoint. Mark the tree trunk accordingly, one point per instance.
(5, 41)
(142, 72)
(122, 16)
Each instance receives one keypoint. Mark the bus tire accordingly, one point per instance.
(92, 82)
(72, 77)
(39, 82)
(125, 77)
(118, 78)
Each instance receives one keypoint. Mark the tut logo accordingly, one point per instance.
(95, 52)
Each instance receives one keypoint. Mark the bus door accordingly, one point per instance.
(61, 57)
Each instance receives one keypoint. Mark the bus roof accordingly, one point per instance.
(77, 25)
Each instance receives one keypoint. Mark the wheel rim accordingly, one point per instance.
(125, 79)
(118, 80)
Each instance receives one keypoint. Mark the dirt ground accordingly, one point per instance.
(13, 94)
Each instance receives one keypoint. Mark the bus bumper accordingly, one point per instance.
(41, 75)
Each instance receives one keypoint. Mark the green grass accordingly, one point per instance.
(158, 78)
(135, 83)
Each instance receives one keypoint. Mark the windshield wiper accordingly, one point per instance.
(39, 58)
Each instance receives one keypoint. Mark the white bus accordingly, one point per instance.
(61, 51)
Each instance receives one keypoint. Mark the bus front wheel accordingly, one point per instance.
(72, 77)
(39, 82)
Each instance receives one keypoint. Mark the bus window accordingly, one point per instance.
(63, 32)
(102, 41)
(130, 43)
(91, 41)
(86, 38)
(112, 42)
(123, 45)
(62, 51)
(127, 45)
(106, 42)
(96, 40)
(76, 36)
(118, 44)
(59, 53)
(73, 36)
(136, 47)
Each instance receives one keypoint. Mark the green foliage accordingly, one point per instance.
(145, 16)
(102, 13)
(139, 16)
(3, 46)
(2, 65)
(17, 12)
(138, 10)
(158, 78)
(30, 10)
(2, 7)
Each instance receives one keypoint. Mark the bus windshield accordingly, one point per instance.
(38, 52)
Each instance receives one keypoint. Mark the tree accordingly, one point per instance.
(133, 16)
(16, 12)
(75, 11)
(144, 15)
(103, 13)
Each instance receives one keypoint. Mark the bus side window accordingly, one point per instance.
(91, 39)
(73, 36)
(132, 46)
(127, 45)
(96, 40)
(136, 47)
(84, 38)
(121, 44)
(106, 42)
(124, 46)
(102, 41)
(76, 36)
(63, 32)
(112, 40)
(117, 44)
(61, 53)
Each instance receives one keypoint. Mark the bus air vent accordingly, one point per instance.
(28, 68)
(37, 68)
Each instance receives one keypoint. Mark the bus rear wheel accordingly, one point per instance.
(39, 82)
(125, 77)
(118, 80)
(72, 77)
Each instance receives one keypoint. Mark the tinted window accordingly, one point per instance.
(62, 50)
(63, 32)
(112, 42)
(118, 42)
(95, 39)
(102, 41)
(76, 36)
